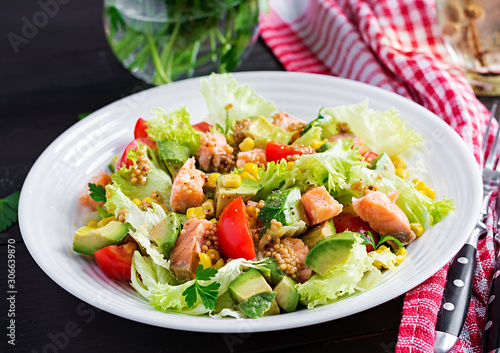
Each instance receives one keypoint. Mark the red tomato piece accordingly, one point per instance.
(203, 126)
(235, 238)
(275, 152)
(370, 155)
(115, 260)
(140, 129)
(353, 223)
(123, 160)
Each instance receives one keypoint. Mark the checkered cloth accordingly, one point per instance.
(395, 45)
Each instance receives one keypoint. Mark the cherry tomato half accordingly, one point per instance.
(123, 160)
(203, 126)
(115, 260)
(140, 129)
(275, 152)
(369, 155)
(235, 238)
(353, 223)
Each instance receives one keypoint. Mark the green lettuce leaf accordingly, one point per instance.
(417, 206)
(330, 168)
(222, 90)
(174, 126)
(313, 134)
(380, 131)
(157, 180)
(271, 177)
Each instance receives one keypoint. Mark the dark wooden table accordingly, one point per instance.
(49, 74)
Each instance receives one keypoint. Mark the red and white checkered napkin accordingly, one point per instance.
(395, 45)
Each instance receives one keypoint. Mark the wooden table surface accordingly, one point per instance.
(52, 73)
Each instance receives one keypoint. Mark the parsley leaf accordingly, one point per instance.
(97, 192)
(8, 210)
(388, 237)
(367, 240)
(83, 115)
(312, 123)
(208, 293)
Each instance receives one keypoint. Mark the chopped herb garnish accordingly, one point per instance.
(312, 123)
(97, 192)
(83, 115)
(8, 210)
(369, 240)
(208, 293)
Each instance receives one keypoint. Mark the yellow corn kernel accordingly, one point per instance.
(247, 176)
(162, 206)
(430, 192)
(212, 179)
(252, 169)
(105, 221)
(317, 144)
(420, 186)
(400, 256)
(214, 220)
(149, 200)
(205, 260)
(398, 162)
(137, 202)
(381, 249)
(253, 211)
(230, 180)
(213, 254)
(219, 264)
(93, 223)
(417, 228)
(379, 265)
(247, 145)
(290, 165)
(208, 208)
(402, 173)
(195, 212)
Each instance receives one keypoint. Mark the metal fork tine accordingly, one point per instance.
(490, 161)
(492, 116)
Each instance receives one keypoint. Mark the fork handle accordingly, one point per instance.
(456, 296)
(491, 339)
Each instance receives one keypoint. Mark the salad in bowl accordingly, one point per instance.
(255, 212)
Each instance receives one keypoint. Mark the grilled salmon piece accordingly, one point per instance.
(100, 178)
(215, 154)
(319, 205)
(300, 249)
(187, 188)
(287, 122)
(185, 255)
(256, 156)
(383, 215)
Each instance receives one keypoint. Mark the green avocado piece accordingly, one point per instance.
(173, 154)
(330, 252)
(271, 271)
(224, 196)
(273, 310)
(287, 203)
(87, 240)
(258, 125)
(287, 297)
(383, 162)
(166, 232)
(259, 305)
(318, 232)
(247, 285)
(112, 163)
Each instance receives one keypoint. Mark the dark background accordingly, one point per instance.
(62, 69)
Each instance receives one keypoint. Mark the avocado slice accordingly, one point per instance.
(287, 297)
(87, 240)
(271, 271)
(318, 232)
(287, 203)
(383, 162)
(112, 163)
(224, 196)
(330, 252)
(247, 285)
(166, 232)
(262, 304)
(258, 126)
(173, 154)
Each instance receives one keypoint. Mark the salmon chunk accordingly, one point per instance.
(187, 188)
(256, 156)
(383, 215)
(100, 178)
(215, 154)
(300, 251)
(319, 205)
(185, 255)
(287, 122)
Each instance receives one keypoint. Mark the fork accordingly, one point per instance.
(458, 289)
